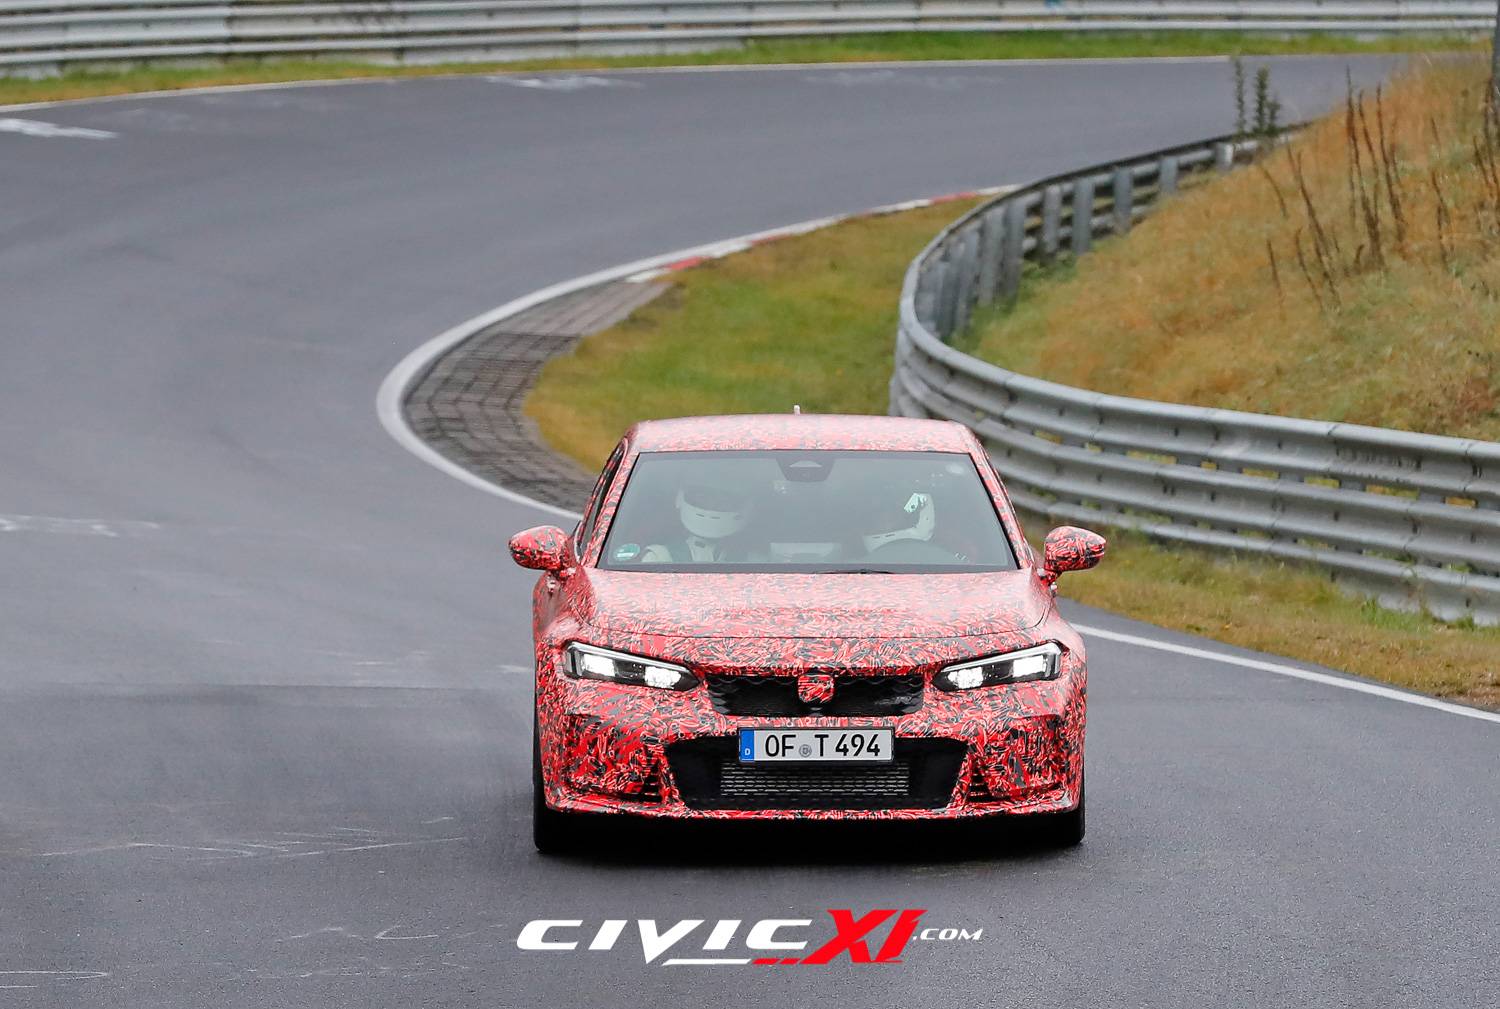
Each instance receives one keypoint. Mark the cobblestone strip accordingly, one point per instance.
(469, 404)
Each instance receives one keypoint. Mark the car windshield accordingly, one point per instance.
(824, 511)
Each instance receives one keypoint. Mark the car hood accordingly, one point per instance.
(811, 605)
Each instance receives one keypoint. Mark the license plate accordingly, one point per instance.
(814, 745)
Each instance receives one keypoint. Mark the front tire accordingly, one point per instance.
(552, 831)
(1065, 830)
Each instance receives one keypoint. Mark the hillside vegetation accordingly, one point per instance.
(1351, 275)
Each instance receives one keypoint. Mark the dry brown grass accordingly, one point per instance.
(1384, 304)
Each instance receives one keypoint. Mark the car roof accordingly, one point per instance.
(799, 431)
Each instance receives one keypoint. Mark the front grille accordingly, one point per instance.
(921, 775)
(853, 696)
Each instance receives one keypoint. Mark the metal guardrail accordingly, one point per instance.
(1412, 518)
(48, 36)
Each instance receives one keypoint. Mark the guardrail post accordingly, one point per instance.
(992, 238)
(1124, 199)
(1223, 157)
(943, 310)
(966, 263)
(1083, 216)
(1051, 220)
(1013, 249)
(924, 300)
(1166, 174)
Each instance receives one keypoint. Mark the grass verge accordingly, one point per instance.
(810, 320)
(893, 46)
(802, 320)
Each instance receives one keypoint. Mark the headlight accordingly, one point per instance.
(589, 663)
(1037, 663)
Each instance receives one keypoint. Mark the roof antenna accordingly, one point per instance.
(796, 408)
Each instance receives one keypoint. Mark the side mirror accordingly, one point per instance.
(1069, 548)
(543, 548)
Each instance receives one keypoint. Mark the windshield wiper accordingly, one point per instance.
(855, 571)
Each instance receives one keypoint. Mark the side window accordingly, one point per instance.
(585, 529)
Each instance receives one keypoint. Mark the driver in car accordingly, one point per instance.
(711, 516)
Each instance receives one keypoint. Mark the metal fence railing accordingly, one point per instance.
(1411, 518)
(48, 36)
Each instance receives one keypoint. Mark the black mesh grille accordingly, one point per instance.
(746, 781)
(853, 696)
(920, 776)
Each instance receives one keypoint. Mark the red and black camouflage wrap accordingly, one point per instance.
(541, 547)
(602, 745)
(1069, 548)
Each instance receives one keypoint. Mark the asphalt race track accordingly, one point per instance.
(264, 696)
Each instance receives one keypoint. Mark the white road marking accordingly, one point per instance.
(371, 847)
(339, 847)
(385, 933)
(882, 77)
(37, 128)
(75, 527)
(325, 930)
(131, 845)
(16, 978)
(1280, 669)
(562, 82)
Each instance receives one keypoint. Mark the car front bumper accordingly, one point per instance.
(1015, 749)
